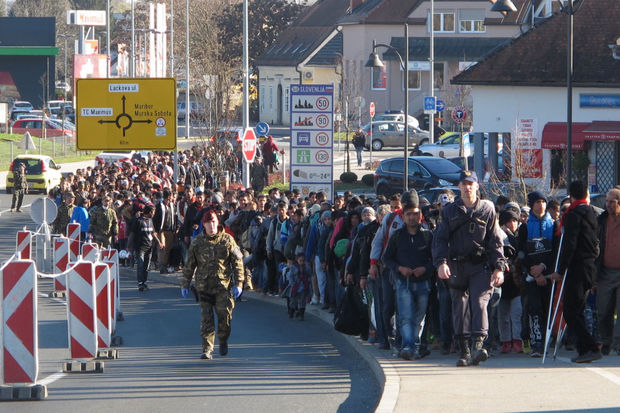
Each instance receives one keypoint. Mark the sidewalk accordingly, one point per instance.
(505, 383)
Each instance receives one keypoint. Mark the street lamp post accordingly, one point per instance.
(107, 38)
(375, 62)
(506, 6)
(431, 124)
(65, 37)
(188, 109)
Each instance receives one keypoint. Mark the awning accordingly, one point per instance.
(602, 131)
(554, 135)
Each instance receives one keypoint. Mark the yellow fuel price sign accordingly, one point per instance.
(127, 113)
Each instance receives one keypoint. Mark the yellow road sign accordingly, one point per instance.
(117, 114)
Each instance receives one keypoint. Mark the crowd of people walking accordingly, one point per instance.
(463, 275)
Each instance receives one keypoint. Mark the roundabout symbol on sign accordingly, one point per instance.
(124, 120)
(322, 156)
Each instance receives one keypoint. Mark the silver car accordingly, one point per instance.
(392, 134)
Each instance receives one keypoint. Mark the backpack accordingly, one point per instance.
(340, 247)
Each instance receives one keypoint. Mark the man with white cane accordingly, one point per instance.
(577, 256)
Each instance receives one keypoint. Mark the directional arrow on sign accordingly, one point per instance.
(122, 115)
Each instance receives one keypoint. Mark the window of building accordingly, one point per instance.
(262, 98)
(438, 75)
(413, 77)
(270, 97)
(378, 78)
(471, 21)
(286, 99)
(443, 22)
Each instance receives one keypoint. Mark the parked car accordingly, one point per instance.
(21, 106)
(392, 134)
(197, 112)
(460, 162)
(432, 194)
(42, 173)
(119, 156)
(33, 126)
(396, 116)
(423, 172)
(449, 145)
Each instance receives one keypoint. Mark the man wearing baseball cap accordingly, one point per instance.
(468, 254)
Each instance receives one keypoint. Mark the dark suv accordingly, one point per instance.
(424, 172)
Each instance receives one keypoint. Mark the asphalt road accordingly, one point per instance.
(273, 363)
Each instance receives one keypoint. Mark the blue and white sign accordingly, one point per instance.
(312, 130)
(430, 104)
(599, 101)
(262, 128)
(440, 105)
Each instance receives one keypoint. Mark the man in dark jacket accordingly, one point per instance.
(536, 240)
(467, 246)
(359, 141)
(608, 279)
(259, 178)
(20, 186)
(577, 255)
(408, 255)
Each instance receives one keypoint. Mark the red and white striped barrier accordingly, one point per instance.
(24, 245)
(61, 262)
(20, 350)
(104, 295)
(90, 252)
(81, 315)
(111, 256)
(73, 233)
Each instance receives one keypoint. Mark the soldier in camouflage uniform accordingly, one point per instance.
(20, 186)
(63, 216)
(210, 257)
(104, 223)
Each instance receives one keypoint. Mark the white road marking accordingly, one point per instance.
(52, 378)
(598, 370)
(603, 373)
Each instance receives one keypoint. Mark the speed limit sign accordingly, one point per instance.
(372, 109)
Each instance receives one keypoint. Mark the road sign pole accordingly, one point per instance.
(370, 146)
(372, 116)
(246, 91)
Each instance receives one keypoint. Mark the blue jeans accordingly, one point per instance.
(412, 298)
(143, 258)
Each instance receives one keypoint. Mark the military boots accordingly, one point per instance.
(479, 353)
(465, 356)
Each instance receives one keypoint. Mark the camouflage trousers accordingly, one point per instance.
(216, 298)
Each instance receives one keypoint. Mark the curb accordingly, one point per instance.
(384, 370)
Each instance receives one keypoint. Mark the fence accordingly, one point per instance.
(60, 148)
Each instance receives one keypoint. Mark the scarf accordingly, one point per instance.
(572, 206)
